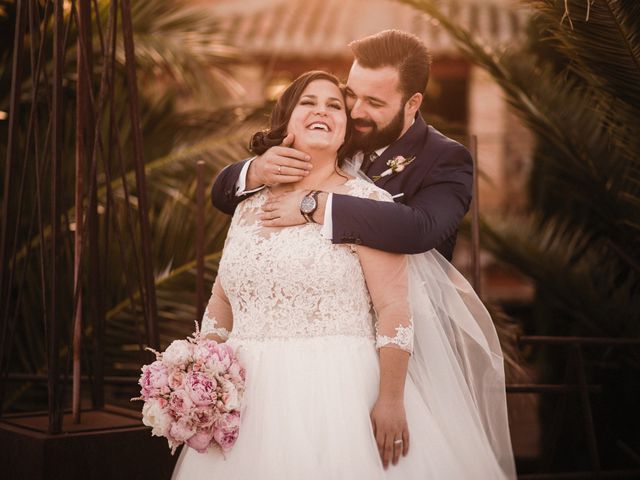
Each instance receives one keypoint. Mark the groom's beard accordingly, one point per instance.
(377, 138)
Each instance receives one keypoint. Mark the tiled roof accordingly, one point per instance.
(323, 28)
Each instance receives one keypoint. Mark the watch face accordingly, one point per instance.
(308, 205)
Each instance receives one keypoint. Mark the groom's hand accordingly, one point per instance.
(280, 164)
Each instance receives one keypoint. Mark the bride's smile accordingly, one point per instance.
(319, 119)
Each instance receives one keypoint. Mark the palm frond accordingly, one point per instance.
(589, 294)
(601, 38)
(183, 44)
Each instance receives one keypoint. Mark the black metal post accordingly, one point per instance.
(153, 338)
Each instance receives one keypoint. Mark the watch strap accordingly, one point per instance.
(309, 216)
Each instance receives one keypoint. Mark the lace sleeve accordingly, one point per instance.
(217, 320)
(387, 279)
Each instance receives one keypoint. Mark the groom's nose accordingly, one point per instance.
(357, 110)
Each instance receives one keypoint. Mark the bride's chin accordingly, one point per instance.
(316, 146)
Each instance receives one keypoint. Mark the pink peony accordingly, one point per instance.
(221, 358)
(201, 440)
(180, 403)
(230, 396)
(226, 430)
(182, 430)
(236, 372)
(176, 378)
(201, 388)
(205, 417)
(154, 379)
(204, 349)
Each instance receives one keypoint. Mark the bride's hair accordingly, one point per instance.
(265, 139)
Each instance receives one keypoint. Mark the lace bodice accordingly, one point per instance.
(291, 282)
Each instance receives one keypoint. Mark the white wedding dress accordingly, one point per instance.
(304, 329)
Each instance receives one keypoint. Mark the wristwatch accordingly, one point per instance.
(309, 205)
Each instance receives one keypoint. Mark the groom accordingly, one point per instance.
(430, 183)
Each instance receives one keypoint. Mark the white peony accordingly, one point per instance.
(156, 417)
(178, 354)
(230, 396)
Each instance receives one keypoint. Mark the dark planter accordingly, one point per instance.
(111, 443)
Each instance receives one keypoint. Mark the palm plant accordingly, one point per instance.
(575, 82)
(179, 55)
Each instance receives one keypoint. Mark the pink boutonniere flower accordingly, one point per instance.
(396, 165)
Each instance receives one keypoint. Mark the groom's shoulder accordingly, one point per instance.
(438, 141)
(442, 147)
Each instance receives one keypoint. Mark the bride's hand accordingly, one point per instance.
(390, 425)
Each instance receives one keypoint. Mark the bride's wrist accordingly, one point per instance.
(215, 337)
(394, 398)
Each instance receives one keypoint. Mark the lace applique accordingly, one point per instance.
(403, 338)
(291, 282)
(209, 325)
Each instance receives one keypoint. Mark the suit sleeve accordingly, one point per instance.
(223, 192)
(431, 216)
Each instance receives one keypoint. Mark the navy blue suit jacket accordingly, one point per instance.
(435, 188)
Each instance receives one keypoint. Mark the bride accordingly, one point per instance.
(361, 364)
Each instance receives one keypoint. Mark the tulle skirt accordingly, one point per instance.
(305, 415)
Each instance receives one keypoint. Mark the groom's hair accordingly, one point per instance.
(401, 50)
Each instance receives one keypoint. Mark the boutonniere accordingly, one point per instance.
(396, 165)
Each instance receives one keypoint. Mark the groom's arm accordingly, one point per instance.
(428, 218)
(279, 164)
(224, 191)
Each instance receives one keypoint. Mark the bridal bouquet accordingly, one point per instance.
(192, 394)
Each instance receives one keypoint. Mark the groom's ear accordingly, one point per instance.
(413, 104)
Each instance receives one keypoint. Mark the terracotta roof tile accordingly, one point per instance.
(323, 28)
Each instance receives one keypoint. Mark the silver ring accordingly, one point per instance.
(279, 169)
(397, 442)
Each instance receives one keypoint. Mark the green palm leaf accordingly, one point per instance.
(602, 39)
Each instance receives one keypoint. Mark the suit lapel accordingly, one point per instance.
(409, 145)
